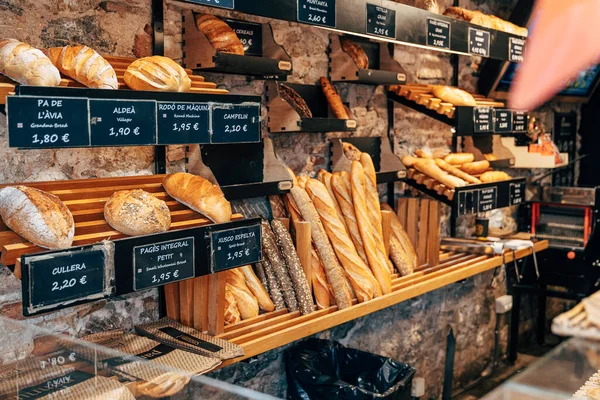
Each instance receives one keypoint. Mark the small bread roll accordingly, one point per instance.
(494, 176)
(490, 157)
(409, 161)
(459, 158)
(422, 154)
(136, 212)
(476, 168)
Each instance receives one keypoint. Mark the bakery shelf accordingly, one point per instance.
(282, 117)
(269, 331)
(264, 58)
(383, 70)
(411, 24)
(471, 199)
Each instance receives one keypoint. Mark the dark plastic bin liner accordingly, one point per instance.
(321, 369)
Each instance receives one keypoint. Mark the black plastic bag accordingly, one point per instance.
(322, 369)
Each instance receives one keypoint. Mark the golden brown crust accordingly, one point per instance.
(221, 37)
(488, 21)
(321, 289)
(453, 95)
(246, 302)
(459, 158)
(232, 313)
(491, 157)
(136, 212)
(401, 238)
(257, 289)
(334, 99)
(157, 73)
(277, 206)
(295, 101)
(476, 167)
(84, 65)
(494, 176)
(455, 171)
(199, 194)
(351, 152)
(355, 52)
(325, 178)
(27, 65)
(429, 168)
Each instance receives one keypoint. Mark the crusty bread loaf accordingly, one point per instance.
(274, 286)
(488, 21)
(257, 289)
(157, 73)
(334, 99)
(302, 180)
(409, 161)
(459, 158)
(356, 53)
(333, 270)
(451, 169)
(136, 212)
(246, 302)
(400, 258)
(422, 154)
(476, 167)
(220, 35)
(325, 178)
(295, 101)
(454, 96)
(199, 194)
(84, 65)
(232, 313)
(377, 263)
(37, 216)
(27, 65)
(361, 278)
(494, 176)
(351, 152)
(429, 168)
(400, 234)
(491, 157)
(321, 288)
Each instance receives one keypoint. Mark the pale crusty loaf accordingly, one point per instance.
(27, 65)
(246, 302)
(361, 278)
(454, 96)
(136, 212)
(37, 216)
(488, 21)
(430, 168)
(257, 289)
(84, 65)
(199, 194)
(221, 37)
(232, 312)
(157, 73)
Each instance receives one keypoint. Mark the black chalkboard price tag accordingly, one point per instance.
(381, 21)
(41, 123)
(503, 121)
(250, 35)
(438, 33)
(216, 3)
(56, 279)
(519, 121)
(515, 49)
(161, 263)
(235, 247)
(235, 123)
(483, 120)
(479, 42)
(488, 199)
(183, 123)
(468, 202)
(517, 193)
(122, 122)
(317, 12)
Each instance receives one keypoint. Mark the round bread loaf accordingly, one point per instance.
(37, 216)
(454, 96)
(27, 65)
(157, 73)
(136, 212)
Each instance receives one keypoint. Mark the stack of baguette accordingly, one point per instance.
(455, 169)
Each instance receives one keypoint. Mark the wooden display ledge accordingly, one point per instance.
(120, 64)
(269, 331)
(422, 95)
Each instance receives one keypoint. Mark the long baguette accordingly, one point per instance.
(400, 258)
(401, 236)
(344, 198)
(333, 270)
(259, 270)
(257, 289)
(277, 206)
(274, 286)
(451, 169)
(279, 267)
(246, 301)
(299, 280)
(325, 178)
(361, 278)
(321, 288)
(377, 263)
(429, 168)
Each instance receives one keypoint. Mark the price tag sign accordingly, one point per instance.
(235, 247)
(468, 202)
(41, 123)
(64, 277)
(161, 263)
(438, 33)
(503, 121)
(183, 123)
(479, 42)
(488, 198)
(483, 120)
(317, 12)
(517, 193)
(381, 21)
(250, 35)
(519, 121)
(122, 122)
(216, 3)
(235, 123)
(515, 49)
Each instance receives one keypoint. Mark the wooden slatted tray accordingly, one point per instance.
(271, 330)
(422, 95)
(120, 64)
(430, 183)
(575, 323)
(85, 199)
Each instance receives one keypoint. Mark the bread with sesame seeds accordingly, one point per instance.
(137, 212)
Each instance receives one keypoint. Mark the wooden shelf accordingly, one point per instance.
(272, 330)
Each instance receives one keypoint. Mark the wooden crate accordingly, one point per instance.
(421, 219)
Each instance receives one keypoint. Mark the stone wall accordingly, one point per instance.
(412, 332)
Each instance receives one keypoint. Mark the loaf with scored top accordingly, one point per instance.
(325, 178)
(199, 194)
(356, 53)
(157, 73)
(220, 35)
(137, 212)
(84, 65)
(27, 65)
(232, 312)
(38, 216)
(295, 101)
(246, 302)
